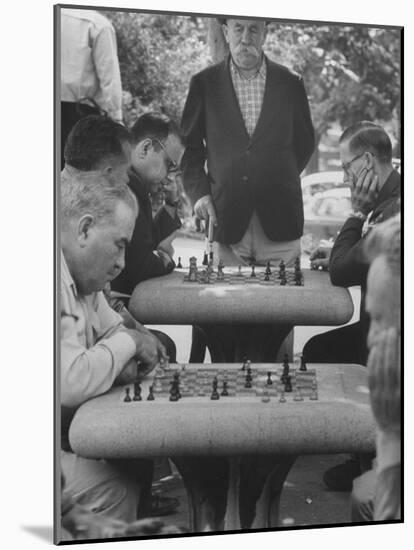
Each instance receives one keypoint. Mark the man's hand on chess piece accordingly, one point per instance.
(384, 370)
(204, 209)
(149, 350)
(319, 257)
(364, 191)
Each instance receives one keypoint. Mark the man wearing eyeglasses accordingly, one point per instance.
(157, 150)
(366, 155)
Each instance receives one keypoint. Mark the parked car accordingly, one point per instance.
(326, 202)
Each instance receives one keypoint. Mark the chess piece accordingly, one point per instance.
(127, 397)
(302, 363)
(283, 280)
(298, 396)
(282, 397)
(214, 394)
(268, 270)
(239, 273)
(220, 273)
(282, 269)
(151, 394)
(137, 391)
(253, 274)
(225, 392)
(179, 266)
(205, 259)
(269, 380)
(267, 276)
(288, 384)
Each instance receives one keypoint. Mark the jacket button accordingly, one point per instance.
(245, 178)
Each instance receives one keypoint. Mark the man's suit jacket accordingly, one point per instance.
(246, 173)
(141, 260)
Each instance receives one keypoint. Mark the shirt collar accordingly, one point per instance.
(260, 72)
(65, 275)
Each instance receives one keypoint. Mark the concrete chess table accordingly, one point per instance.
(168, 300)
(234, 454)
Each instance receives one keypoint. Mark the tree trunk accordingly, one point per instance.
(216, 41)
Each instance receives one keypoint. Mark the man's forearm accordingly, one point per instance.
(86, 373)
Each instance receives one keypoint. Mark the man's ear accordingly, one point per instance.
(370, 160)
(84, 227)
(143, 147)
(225, 30)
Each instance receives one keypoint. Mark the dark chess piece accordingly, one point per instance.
(248, 379)
(283, 280)
(224, 392)
(151, 394)
(174, 391)
(244, 366)
(177, 384)
(137, 391)
(269, 380)
(253, 274)
(288, 383)
(302, 363)
(282, 270)
(214, 394)
(267, 277)
(127, 397)
(286, 362)
(268, 271)
(205, 259)
(179, 266)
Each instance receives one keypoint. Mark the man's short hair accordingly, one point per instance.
(94, 139)
(368, 136)
(95, 194)
(385, 240)
(155, 125)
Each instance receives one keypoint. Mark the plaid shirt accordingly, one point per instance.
(249, 92)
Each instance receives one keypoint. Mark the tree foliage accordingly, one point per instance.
(158, 54)
(351, 72)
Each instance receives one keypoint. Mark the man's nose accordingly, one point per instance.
(246, 36)
(120, 261)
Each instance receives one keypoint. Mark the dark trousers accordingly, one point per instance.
(70, 114)
(342, 345)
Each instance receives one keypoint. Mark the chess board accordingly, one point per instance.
(244, 276)
(264, 385)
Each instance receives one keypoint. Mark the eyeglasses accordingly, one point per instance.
(347, 165)
(172, 166)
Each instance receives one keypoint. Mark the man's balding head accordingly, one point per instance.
(98, 218)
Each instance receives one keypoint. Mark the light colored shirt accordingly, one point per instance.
(94, 348)
(249, 92)
(89, 60)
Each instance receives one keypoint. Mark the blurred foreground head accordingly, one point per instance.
(383, 300)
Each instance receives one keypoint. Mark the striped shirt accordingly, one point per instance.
(249, 92)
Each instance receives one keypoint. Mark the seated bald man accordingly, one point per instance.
(97, 350)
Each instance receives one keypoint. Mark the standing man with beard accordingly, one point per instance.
(249, 136)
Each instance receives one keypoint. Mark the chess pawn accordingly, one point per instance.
(224, 392)
(253, 273)
(205, 259)
(151, 394)
(137, 391)
(179, 266)
(215, 394)
(269, 380)
(127, 397)
(282, 397)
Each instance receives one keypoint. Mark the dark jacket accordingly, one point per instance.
(141, 260)
(347, 266)
(246, 173)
